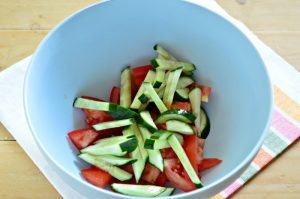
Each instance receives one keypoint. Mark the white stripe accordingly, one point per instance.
(264, 147)
(288, 117)
(276, 132)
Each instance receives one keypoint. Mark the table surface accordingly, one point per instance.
(23, 26)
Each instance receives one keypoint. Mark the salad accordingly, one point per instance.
(151, 132)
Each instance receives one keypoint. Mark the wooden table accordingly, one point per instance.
(23, 24)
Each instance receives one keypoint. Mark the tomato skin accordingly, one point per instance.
(162, 126)
(139, 73)
(208, 163)
(150, 174)
(176, 175)
(115, 95)
(168, 153)
(181, 105)
(161, 180)
(82, 138)
(190, 146)
(97, 177)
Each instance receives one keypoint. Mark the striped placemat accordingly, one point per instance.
(284, 130)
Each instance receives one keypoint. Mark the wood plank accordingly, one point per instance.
(37, 14)
(279, 180)
(16, 45)
(275, 15)
(4, 134)
(20, 178)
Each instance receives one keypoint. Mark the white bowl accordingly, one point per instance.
(85, 53)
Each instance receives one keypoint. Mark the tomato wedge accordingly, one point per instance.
(175, 174)
(181, 105)
(83, 137)
(190, 146)
(208, 164)
(97, 177)
(150, 174)
(115, 95)
(139, 73)
(168, 153)
(161, 180)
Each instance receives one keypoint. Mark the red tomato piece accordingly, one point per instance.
(161, 180)
(83, 137)
(190, 146)
(208, 164)
(176, 175)
(150, 174)
(161, 126)
(115, 95)
(97, 177)
(127, 168)
(181, 105)
(168, 153)
(139, 73)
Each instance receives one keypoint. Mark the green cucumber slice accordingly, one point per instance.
(205, 123)
(195, 99)
(105, 166)
(163, 54)
(176, 146)
(139, 190)
(171, 87)
(113, 124)
(184, 81)
(171, 65)
(125, 90)
(180, 127)
(116, 111)
(160, 75)
(146, 121)
(167, 192)
(115, 160)
(175, 114)
(156, 99)
(181, 94)
(136, 104)
(155, 157)
(119, 145)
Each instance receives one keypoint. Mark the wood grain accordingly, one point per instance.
(23, 25)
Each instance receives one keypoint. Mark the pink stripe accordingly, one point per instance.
(285, 127)
(232, 188)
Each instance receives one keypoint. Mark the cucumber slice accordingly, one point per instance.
(171, 86)
(205, 123)
(125, 91)
(163, 53)
(116, 161)
(119, 145)
(140, 141)
(160, 75)
(143, 98)
(105, 166)
(176, 146)
(140, 190)
(146, 121)
(167, 192)
(136, 104)
(116, 111)
(182, 94)
(155, 157)
(156, 99)
(138, 166)
(113, 124)
(180, 127)
(158, 140)
(161, 90)
(175, 114)
(195, 99)
(171, 65)
(184, 81)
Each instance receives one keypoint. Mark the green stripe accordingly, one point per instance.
(249, 173)
(274, 143)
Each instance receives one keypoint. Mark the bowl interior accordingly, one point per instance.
(85, 54)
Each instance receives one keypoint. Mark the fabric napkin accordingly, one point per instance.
(285, 127)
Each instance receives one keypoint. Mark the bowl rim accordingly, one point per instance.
(226, 177)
